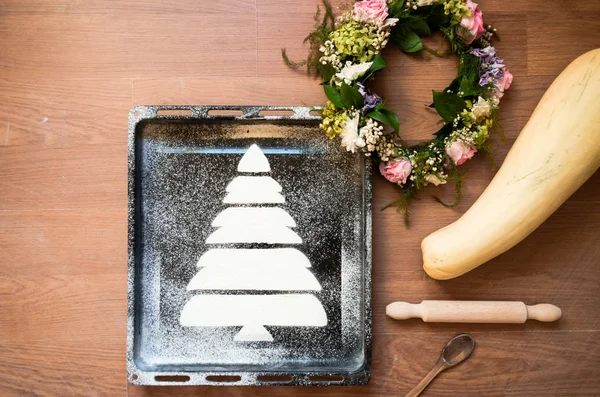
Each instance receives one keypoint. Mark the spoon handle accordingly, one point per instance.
(439, 367)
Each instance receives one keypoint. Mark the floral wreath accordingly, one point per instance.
(346, 53)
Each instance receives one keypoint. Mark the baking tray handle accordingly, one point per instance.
(227, 112)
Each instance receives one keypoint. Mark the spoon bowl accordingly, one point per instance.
(455, 352)
(458, 350)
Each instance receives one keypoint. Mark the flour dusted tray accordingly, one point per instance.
(249, 250)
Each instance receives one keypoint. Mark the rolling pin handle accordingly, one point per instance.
(404, 310)
(543, 312)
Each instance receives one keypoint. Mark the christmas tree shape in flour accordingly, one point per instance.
(274, 269)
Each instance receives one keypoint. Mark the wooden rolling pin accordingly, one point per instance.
(473, 312)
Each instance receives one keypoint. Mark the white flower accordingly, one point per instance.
(434, 179)
(389, 22)
(360, 142)
(495, 101)
(421, 3)
(350, 138)
(481, 109)
(351, 72)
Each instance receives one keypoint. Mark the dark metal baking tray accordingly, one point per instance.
(179, 168)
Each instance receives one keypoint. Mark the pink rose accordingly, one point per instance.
(396, 171)
(460, 152)
(372, 10)
(472, 24)
(504, 83)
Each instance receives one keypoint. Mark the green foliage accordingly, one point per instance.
(448, 105)
(436, 53)
(454, 85)
(419, 26)
(436, 15)
(407, 40)
(404, 203)
(458, 179)
(393, 118)
(289, 62)
(409, 30)
(385, 116)
(468, 75)
(497, 126)
(457, 45)
(350, 97)
(324, 24)
(487, 150)
(333, 95)
(327, 72)
(445, 131)
(396, 8)
(378, 64)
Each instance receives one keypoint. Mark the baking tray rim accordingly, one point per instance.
(139, 376)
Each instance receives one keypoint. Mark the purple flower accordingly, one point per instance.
(371, 100)
(491, 68)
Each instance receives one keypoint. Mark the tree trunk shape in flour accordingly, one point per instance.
(254, 218)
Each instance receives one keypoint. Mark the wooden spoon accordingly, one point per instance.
(455, 352)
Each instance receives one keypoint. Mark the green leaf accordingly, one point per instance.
(420, 27)
(377, 115)
(407, 40)
(437, 15)
(468, 73)
(453, 88)
(378, 64)
(380, 105)
(469, 88)
(454, 85)
(386, 117)
(396, 7)
(392, 117)
(445, 131)
(334, 96)
(327, 71)
(423, 10)
(448, 105)
(351, 97)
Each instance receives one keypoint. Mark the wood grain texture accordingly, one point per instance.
(69, 72)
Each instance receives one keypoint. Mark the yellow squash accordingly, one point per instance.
(557, 151)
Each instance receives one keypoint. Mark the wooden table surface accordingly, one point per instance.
(70, 70)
